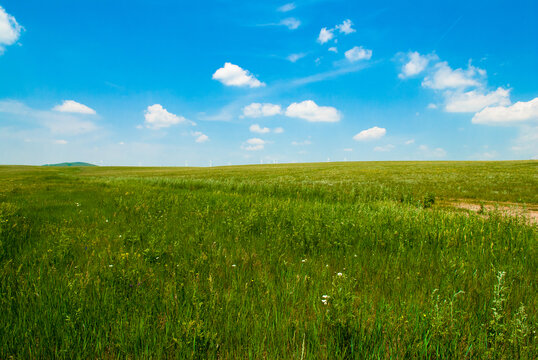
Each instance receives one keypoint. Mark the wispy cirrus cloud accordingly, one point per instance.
(384, 148)
(294, 57)
(56, 122)
(331, 74)
(301, 143)
(286, 7)
(291, 23)
(429, 153)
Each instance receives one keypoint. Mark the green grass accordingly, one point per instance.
(234, 262)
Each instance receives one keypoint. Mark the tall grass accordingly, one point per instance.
(263, 263)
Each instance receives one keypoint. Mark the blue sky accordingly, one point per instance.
(238, 82)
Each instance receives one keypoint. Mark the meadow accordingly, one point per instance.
(347, 260)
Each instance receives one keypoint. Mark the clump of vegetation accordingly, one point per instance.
(313, 261)
(428, 201)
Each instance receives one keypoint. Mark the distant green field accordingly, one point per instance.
(304, 261)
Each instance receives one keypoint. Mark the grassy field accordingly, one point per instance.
(306, 261)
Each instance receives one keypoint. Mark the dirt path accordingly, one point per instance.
(507, 209)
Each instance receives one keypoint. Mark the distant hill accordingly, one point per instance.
(71, 164)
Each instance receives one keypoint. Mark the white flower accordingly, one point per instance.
(233, 265)
(110, 265)
(106, 220)
(324, 301)
(339, 274)
(304, 260)
(325, 296)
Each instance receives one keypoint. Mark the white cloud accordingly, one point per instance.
(286, 7)
(256, 110)
(465, 90)
(308, 110)
(370, 134)
(60, 142)
(255, 128)
(476, 100)
(345, 27)
(446, 78)
(417, 63)
(437, 152)
(409, 142)
(487, 155)
(233, 75)
(70, 106)
(291, 23)
(200, 137)
(14, 107)
(334, 49)
(348, 149)
(10, 30)
(301, 143)
(156, 117)
(527, 142)
(254, 144)
(294, 57)
(325, 35)
(358, 53)
(385, 148)
(504, 115)
(57, 123)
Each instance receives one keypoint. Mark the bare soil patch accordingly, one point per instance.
(506, 209)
